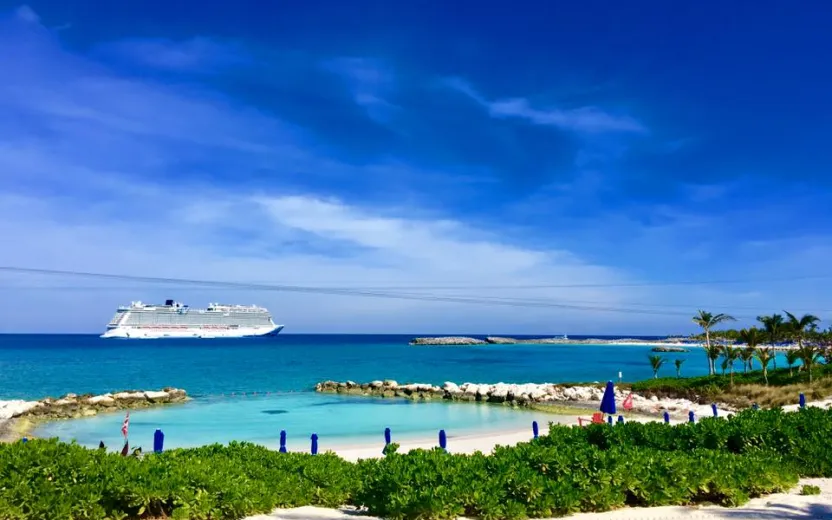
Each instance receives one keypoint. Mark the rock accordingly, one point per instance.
(102, 400)
(669, 349)
(128, 395)
(448, 340)
(17, 408)
(451, 388)
(71, 406)
(515, 395)
(155, 396)
(500, 391)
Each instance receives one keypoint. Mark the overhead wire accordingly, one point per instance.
(483, 297)
(372, 293)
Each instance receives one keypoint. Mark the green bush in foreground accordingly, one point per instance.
(596, 468)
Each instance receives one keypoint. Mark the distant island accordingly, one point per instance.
(562, 340)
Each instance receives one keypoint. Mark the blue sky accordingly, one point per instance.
(378, 143)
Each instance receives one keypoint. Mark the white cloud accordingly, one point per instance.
(92, 181)
(586, 119)
(27, 14)
(370, 83)
(102, 173)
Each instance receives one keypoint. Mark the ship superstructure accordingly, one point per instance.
(175, 320)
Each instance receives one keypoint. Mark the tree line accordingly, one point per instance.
(757, 343)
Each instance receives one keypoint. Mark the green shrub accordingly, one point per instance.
(597, 468)
(809, 489)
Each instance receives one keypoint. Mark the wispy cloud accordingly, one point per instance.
(103, 169)
(27, 14)
(198, 54)
(586, 119)
(112, 173)
(370, 83)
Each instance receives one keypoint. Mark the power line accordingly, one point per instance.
(429, 287)
(333, 291)
(503, 301)
(506, 298)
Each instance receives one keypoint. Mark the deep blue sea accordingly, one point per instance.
(283, 370)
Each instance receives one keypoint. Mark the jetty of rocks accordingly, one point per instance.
(669, 349)
(72, 406)
(499, 340)
(522, 395)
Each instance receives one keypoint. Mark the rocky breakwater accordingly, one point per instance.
(670, 349)
(72, 406)
(499, 340)
(522, 395)
(448, 340)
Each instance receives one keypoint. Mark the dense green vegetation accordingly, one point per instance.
(773, 388)
(571, 469)
(750, 346)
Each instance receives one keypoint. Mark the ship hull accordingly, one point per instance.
(128, 332)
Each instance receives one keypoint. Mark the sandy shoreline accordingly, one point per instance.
(782, 506)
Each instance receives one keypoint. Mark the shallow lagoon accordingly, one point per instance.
(338, 421)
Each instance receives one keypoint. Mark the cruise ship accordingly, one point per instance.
(175, 320)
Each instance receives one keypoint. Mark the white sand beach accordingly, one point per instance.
(781, 506)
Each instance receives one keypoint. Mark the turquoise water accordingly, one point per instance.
(338, 421)
(287, 367)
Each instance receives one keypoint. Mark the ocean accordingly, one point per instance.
(272, 381)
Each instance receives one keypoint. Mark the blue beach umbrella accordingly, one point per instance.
(158, 441)
(608, 401)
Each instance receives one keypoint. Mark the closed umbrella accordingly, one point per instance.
(608, 401)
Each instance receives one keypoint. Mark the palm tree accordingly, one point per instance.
(713, 352)
(747, 358)
(798, 328)
(809, 354)
(773, 326)
(763, 355)
(730, 354)
(791, 359)
(678, 364)
(707, 321)
(656, 363)
(751, 337)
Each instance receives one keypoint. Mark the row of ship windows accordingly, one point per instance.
(134, 319)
